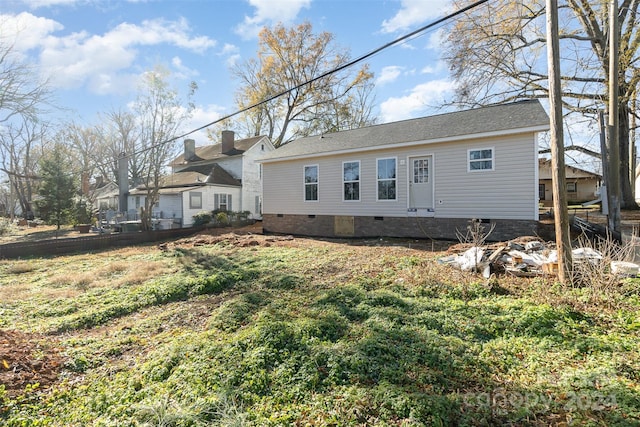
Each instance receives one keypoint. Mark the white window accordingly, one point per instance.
(572, 187)
(311, 183)
(386, 172)
(195, 200)
(222, 202)
(351, 181)
(481, 160)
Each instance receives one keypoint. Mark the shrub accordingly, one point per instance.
(202, 218)
(222, 218)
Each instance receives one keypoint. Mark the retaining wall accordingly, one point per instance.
(89, 243)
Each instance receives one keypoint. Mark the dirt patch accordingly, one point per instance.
(27, 359)
(250, 235)
(232, 239)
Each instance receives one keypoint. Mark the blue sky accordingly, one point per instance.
(93, 51)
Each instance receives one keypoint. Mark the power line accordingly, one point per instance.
(321, 76)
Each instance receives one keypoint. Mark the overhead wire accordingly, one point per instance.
(325, 74)
(361, 58)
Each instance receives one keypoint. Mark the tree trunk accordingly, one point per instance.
(626, 181)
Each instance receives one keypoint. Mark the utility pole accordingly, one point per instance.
(605, 194)
(558, 175)
(612, 128)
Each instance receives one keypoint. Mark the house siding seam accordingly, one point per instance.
(418, 228)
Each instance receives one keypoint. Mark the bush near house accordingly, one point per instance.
(202, 218)
(221, 218)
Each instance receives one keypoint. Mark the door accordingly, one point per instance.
(421, 182)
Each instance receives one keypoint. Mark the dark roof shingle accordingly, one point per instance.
(212, 152)
(498, 118)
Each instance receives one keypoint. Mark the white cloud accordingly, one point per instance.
(389, 74)
(439, 67)
(181, 71)
(232, 60)
(421, 98)
(435, 39)
(34, 4)
(96, 60)
(232, 53)
(201, 116)
(414, 12)
(157, 31)
(229, 49)
(121, 84)
(268, 12)
(27, 30)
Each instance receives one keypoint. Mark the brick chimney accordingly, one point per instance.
(228, 137)
(189, 149)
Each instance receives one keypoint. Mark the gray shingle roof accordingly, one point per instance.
(216, 174)
(494, 119)
(212, 152)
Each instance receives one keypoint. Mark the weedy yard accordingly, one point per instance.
(255, 330)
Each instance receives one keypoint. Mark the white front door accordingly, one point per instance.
(421, 182)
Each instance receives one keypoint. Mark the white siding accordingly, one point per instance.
(233, 165)
(251, 177)
(507, 192)
(208, 193)
(170, 206)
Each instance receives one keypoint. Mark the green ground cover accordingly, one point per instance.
(316, 333)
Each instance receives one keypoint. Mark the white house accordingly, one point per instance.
(222, 176)
(425, 177)
(105, 197)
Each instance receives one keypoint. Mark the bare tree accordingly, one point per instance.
(497, 54)
(23, 98)
(159, 114)
(118, 133)
(287, 59)
(20, 148)
(23, 94)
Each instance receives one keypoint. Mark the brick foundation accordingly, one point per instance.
(419, 228)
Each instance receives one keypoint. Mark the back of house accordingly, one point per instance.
(420, 178)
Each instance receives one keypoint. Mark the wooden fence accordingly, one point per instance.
(89, 243)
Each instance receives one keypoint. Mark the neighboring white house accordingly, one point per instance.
(424, 177)
(105, 197)
(222, 176)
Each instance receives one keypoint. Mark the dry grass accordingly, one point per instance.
(113, 274)
(19, 267)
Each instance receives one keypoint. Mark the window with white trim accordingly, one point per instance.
(195, 200)
(222, 202)
(311, 183)
(481, 160)
(351, 181)
(386, 175)
(572, 187)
